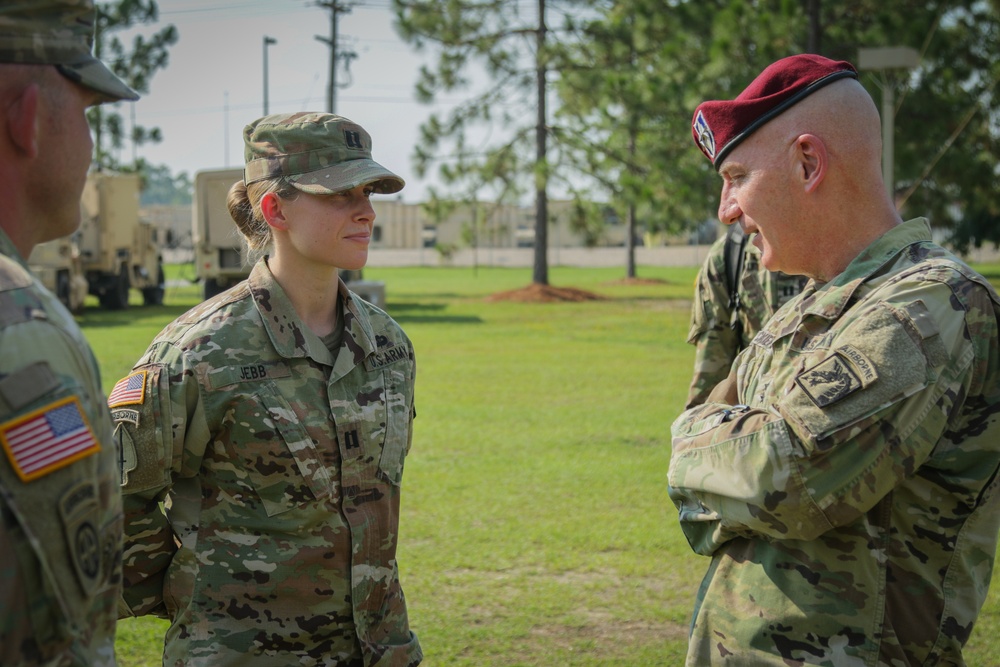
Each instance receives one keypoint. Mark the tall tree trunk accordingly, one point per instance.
(630, 221)
(540, 274)
(815, 27)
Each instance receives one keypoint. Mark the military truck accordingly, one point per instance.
(219, 252)
(57, 264)
(113, 251)
(220, 259)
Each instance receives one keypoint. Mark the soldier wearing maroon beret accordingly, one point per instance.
(843, 478)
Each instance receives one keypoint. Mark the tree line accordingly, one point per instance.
(623, 77)
(592, 99)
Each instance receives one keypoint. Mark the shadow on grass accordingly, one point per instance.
(430, 313)
(993, 275)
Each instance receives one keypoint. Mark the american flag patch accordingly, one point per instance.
(129, 390)
(48, 439)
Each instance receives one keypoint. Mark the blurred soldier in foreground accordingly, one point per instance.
(734, 296)
(843, 478)
(273, 420)
(60, 506)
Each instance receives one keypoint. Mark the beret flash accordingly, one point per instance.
(719, 126)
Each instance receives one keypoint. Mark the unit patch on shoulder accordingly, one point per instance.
(130, 390)
(836, 377)
(48, 439)
(78, 507)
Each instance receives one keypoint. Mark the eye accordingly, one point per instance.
(369, 191)
(734, 176)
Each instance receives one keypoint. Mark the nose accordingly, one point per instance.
(366, 211)
(729, 208)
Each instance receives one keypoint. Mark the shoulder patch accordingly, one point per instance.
(837, 376)
(78, 508)
(130, 390)
(384, 357)
(48, 439)
(764, 339)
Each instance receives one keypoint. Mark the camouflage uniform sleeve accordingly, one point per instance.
(162, 434)
(715, 342)
(854, 420)
(60, 506)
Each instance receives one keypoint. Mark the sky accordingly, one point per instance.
(214, 82)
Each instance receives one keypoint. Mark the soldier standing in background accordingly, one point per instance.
(843, 478)
(273, 421)
(734, 296)
(60, 505)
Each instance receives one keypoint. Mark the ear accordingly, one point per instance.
(812, 161)
(271, 207)
(21, 121)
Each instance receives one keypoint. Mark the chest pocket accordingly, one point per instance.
(279, 457)
(373, 429)
(397, 421)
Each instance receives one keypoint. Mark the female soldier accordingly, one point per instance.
(272, 421)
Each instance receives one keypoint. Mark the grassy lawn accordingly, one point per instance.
(536, 526)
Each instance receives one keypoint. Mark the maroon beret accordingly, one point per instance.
(720, 125)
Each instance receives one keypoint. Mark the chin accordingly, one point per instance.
(354, 264)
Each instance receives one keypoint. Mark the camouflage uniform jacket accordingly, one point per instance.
(279, 469)
(717, 339)
(850, 503)
(60, 505)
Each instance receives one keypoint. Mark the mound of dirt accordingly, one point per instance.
(537, 293)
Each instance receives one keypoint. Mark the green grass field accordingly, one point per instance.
(536, 527)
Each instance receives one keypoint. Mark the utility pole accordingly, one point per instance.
(889, 61)
(267, 42)
(336, 8)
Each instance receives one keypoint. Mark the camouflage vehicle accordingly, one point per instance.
(113, 251)
(57, 264)
(219, 254)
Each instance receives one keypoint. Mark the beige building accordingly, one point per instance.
(399, 225)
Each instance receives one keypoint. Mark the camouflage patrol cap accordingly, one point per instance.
(59, 33)
(318, 153)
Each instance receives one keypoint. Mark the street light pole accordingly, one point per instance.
(884, 59)
(267, 42)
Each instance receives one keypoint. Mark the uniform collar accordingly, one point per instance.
(8, 248)
(831, 299)
(291, 338)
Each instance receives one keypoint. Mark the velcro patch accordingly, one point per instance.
(125, 415)
(839, 375)
(48, 439)
(128, 459)
(258, 372)
(386, 357)
(763, 339)
(78, 507)
(130, 390)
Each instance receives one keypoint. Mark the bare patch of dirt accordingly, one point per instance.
(538, 293)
